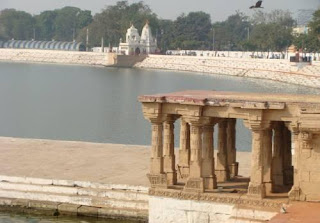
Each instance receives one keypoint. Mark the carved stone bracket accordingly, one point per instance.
(306, 138)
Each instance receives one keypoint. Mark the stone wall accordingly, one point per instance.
(52, 56)
(188, 211)
(277, 70)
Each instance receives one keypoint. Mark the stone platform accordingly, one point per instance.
(83, 161)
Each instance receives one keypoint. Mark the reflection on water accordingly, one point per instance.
(14, 218)
(100, 104)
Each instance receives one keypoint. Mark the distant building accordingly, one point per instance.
(302, 29)
(135, 44)
(43, 45)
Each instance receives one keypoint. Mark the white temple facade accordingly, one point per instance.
(135, 44)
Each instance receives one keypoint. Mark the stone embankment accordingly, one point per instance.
(59, 57)
(270, 69)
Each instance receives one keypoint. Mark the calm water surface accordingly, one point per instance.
(15, 218)
(100, 104)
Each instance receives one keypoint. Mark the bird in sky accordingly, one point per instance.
(257, 5)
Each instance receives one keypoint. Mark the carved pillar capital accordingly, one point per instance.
(293, 127)
(256, 125)
(196, 120)
(155, 118)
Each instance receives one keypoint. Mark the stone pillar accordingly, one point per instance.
(231, 147)
(168, 150)
(156, 176)
(195, 181)
(294, 193)
(287, 158)
(208, 173)
(222, 170)
(302, 152)
(256, 186)
(277, 159)
(267, 160)
(184, 151)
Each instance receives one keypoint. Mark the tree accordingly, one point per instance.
(16, 25)
(192, 31)
(231, 33)
(113, 22)
(69, 21)
(272, 31)
(315, 23)
(45, 25)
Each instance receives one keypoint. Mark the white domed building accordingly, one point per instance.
(135, 44)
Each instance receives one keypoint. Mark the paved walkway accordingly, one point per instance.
(299, 212)
(83, 161)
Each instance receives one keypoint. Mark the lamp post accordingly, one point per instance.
(213, 39)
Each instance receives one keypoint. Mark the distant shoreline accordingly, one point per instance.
(303, 74)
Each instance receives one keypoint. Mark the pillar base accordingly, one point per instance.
(222, 175)
(194, 185)
(171, 178)
(210, 182)
(268, 187)
(234, 168)
(158, 180)
(296, 195)
(257, 191)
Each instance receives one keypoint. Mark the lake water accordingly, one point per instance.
(100, 104)
(17, 218)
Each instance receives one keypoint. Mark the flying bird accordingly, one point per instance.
(257, 5)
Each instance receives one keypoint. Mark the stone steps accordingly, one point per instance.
(82, 198)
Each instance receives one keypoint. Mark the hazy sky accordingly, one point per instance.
(166, 9)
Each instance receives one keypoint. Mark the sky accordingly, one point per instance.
(166, 9)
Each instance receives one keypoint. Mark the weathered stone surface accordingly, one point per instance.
(69, 209)
(88, 211)
(44, 205)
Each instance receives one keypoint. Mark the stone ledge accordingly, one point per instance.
(228, 198)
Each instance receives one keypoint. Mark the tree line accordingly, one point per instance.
(193, 31)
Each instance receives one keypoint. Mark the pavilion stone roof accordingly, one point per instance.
(225, 98)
